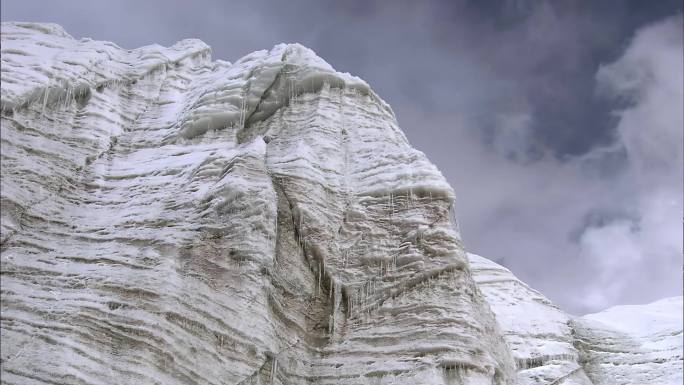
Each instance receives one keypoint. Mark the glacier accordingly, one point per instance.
(171, 219)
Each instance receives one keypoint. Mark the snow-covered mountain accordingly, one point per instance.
(169, 219)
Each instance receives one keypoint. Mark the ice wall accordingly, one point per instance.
(176, 220)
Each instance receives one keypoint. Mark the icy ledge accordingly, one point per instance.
(175, 220)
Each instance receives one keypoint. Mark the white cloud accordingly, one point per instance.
(586, 238)
(649, 76)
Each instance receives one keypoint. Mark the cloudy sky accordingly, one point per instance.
(559, 123)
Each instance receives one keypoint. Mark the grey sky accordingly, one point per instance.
(559, 123)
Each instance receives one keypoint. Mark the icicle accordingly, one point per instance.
(337, 299)
(274, 370)
(45, 99)
(337, 288)
(301, 240)
(391, 204)
(318, 281)
(276, 230)
(66, 97)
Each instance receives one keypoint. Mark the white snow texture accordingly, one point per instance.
(169, 219)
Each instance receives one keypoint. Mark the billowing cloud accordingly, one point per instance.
(645, 254)
(585, 232)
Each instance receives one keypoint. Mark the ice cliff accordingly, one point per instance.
(169, 219)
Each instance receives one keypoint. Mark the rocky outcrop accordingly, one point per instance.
(171, 219)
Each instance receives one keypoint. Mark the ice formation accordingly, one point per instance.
(169, 219)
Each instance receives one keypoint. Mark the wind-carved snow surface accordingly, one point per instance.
(175, 220)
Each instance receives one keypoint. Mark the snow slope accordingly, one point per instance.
(538, 333)
(171, 219)
(623, 345)
(633, 344)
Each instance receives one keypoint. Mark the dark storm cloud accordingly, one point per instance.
(514, 101)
